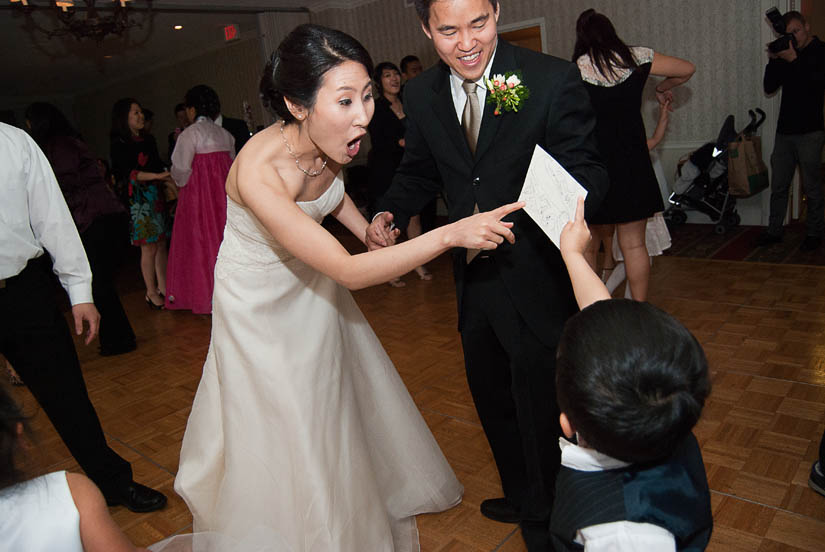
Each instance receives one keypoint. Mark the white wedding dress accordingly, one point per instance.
(301, 423)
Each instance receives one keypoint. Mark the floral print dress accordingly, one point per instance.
(149, 214)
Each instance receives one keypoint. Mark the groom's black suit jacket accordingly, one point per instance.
(558, 117)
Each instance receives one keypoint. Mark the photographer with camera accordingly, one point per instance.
(799, 69)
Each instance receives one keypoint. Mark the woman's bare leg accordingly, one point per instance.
(148, 252)
(413, 231)
(161, 259)
(637, 262)
(597, 235)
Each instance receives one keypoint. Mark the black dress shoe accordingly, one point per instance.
(500, 509)
(138, 498)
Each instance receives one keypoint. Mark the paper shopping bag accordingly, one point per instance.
(747, 173)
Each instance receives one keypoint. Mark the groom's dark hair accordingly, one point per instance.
(422, 7)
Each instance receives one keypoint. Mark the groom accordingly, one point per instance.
(512, 301)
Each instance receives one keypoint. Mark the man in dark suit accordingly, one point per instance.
(237, 128)
(513, 301)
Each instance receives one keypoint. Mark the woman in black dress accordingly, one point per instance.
(387, 130)
(615, 76)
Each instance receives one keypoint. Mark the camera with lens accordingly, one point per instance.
(785, 38)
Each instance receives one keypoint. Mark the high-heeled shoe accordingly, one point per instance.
(153, 305)
(397, 283)
(423, 273)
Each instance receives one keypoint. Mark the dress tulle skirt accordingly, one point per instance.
(301, 423)
(197, 233)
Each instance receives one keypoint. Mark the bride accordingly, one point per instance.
(300, 423)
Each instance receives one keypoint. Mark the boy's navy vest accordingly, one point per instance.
(672, 494)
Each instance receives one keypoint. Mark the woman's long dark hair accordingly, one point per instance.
(376, 76)
(47, 122)
(120, 118)
(596, 36)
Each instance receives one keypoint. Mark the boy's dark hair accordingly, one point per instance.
(631, 379)
(596, 36)
(204, 100)
(179, 107)
(422, 8)
(10, 439)
(376, 76)
(297, 68)
(406, 60)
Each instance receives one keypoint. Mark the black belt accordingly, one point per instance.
(43, 260)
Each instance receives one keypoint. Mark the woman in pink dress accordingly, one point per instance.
(201, 160)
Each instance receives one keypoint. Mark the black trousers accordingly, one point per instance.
(35, 338)
(104, 242)
(512, 378)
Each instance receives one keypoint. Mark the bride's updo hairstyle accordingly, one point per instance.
(297, 68)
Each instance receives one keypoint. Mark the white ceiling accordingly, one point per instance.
(34, 66)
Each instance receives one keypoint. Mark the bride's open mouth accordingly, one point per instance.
(353, 147)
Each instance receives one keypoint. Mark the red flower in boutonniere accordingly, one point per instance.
(142, 159)
(506, 91)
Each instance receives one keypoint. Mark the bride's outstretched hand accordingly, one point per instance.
(485, 230)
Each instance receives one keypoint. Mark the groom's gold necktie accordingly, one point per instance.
(471, 123)
(471, 118)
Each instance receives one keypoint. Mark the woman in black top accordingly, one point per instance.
(137, 167)
(387, 130)
(615, 76)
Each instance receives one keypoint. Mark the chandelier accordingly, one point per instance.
(93, 25)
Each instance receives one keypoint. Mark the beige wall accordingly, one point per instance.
(234, 71)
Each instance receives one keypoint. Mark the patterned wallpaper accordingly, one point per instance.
(723, 39)
(234, 71)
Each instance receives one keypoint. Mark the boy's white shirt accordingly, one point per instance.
(617, 536)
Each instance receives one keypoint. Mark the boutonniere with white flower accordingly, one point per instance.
(506, 91)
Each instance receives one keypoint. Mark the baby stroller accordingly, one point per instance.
(702, 180)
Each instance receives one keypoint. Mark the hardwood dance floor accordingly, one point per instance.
(762, 327)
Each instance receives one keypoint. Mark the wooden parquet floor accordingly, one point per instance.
(762, 326)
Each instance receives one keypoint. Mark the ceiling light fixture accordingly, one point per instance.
(94, 25)
(178, 27)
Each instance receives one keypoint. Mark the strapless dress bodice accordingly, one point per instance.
(247, 242)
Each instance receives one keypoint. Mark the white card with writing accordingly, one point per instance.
(550, 194)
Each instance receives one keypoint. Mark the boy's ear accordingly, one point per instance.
(566, 427)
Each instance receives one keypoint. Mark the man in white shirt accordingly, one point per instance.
(34, 335)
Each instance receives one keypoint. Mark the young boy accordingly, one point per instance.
(631, 382)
